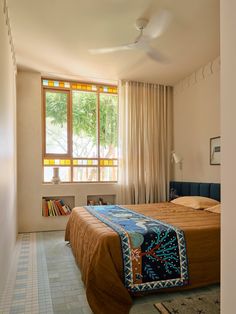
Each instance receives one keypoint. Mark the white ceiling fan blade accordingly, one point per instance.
(141, 42)
(156, 55)
(158, 23)
(111, 49)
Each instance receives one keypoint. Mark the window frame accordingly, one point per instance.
(69, 154)
(69, 123)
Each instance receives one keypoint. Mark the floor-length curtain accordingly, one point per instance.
(145, 135)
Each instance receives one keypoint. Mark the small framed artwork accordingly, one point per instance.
(215, 150)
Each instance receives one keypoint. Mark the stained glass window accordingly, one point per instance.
(80, 133)
(80, 86)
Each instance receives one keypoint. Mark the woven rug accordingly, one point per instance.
(204, 304)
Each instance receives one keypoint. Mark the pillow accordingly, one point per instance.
(196, 202)
(214, 209)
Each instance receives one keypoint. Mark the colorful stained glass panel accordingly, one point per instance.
(56, 84)
(108, 162)
(80, 86)
(59, 162)
(46, 162)
(85, 162)
(45, 82)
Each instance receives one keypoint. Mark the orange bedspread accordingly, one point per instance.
(97, 251)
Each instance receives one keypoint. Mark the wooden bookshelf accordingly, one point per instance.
(54, 206)
(101, 199)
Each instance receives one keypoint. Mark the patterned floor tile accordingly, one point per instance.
(46, 280)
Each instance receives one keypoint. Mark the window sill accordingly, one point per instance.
(78, 183)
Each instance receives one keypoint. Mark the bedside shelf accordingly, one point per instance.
(54, 206)
(101, 199)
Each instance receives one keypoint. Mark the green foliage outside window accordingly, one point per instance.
(84, 116)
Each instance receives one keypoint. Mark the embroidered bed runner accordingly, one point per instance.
(154, 253)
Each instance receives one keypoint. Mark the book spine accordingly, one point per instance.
(49, 208)
(60, 207)
(46, 209)
(57, 208)
(43, 207)
(68, 208)
(64, 207)
(62, 202)
(65, 210)
(52, 207)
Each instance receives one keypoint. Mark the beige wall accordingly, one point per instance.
(228, 118)
(8, 215)
(30, 186)
(196, 120)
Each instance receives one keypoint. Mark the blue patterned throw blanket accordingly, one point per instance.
(154, 253)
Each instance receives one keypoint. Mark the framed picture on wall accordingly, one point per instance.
(215, 150)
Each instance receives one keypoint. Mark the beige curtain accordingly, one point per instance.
(145, 133)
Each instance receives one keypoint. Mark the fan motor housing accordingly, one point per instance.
(141, 23)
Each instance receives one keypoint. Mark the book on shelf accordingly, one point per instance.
(60, 207)
(50, 210)
(55, 207)
(46, 208)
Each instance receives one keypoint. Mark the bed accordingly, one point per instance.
(97, 250)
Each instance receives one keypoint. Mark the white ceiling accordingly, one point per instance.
(54, 36)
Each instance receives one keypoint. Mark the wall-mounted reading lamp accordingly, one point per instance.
(177, 159)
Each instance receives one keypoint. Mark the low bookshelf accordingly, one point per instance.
(101, 199)
(53, 206)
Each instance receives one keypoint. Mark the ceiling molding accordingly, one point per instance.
(201, 74)
(8, 24)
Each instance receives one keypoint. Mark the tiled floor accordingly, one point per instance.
(45, 279)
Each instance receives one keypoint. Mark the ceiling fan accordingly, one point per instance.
(148, 30)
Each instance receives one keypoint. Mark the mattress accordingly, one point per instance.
(97, 251)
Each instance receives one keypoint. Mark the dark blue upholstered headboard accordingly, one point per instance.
(211, 190)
